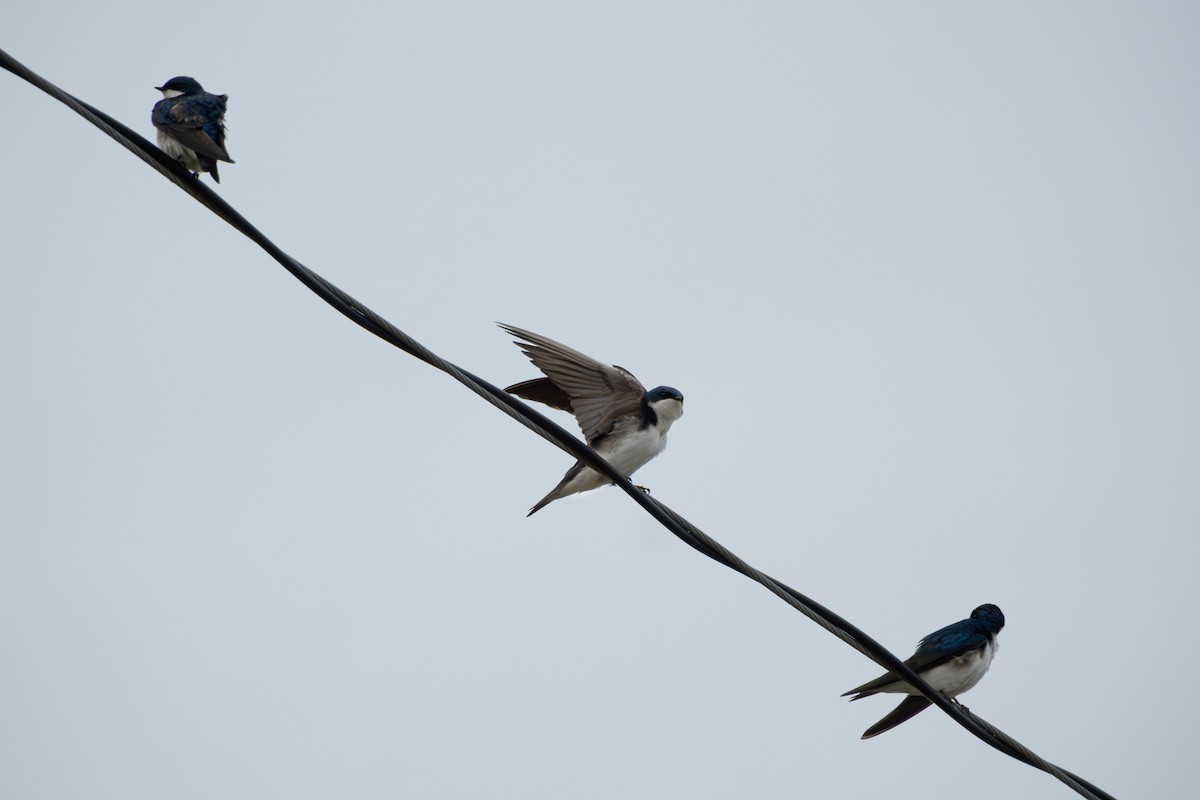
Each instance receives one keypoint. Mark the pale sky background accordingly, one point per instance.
(927, 274)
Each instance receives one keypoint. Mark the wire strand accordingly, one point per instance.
(687, 532)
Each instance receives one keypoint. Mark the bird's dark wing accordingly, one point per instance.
(949, 642)
(909, 707)
(598, 394)
(194, 122)
(542, 390)
(935, 649)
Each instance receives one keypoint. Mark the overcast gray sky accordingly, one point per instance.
(927, 275)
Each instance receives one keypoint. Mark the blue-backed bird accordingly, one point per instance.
(191, 125)
(620, 419)
(951, 660)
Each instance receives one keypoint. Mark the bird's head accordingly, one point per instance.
(661, 393)
(177, 87)
(991, 615)
(666, 401)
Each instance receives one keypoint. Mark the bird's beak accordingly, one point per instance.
(159, 88)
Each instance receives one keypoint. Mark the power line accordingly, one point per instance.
(549, 430)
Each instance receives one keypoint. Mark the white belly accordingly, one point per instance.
(961, 674)
(178, 152)
(627, 454)
(631, 453)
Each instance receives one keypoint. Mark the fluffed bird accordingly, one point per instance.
(951, 660)
(191, 125)
(620, 419)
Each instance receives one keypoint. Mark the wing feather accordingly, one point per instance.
(598, 394)
(542, 390)
(934, 650)
(195, 124)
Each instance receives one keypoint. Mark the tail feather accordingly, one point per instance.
(209, 165)
(545, 501)
(909, 707)
(557, 491)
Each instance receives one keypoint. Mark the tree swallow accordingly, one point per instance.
(951, 660)
(191, 125)
(620, 419)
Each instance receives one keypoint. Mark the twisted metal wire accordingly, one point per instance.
(687, 532)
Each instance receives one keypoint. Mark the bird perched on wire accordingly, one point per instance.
(951, 660)
(191, 125)
(620, 419)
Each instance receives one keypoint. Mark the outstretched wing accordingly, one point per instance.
(195, 122)
(596, 393)
(542, 390)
